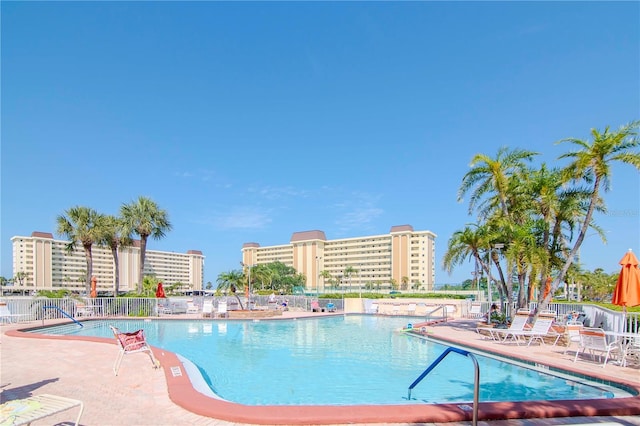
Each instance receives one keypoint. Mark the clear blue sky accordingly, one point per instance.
(249, 121)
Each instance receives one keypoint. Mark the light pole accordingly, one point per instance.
(360, 280)
(496, 246)
(318, 275)
(248, 284)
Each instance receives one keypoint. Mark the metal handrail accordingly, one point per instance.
(428, 315)
(476, 385)
(63, 313)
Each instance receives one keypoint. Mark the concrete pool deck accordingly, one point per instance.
(140, 395)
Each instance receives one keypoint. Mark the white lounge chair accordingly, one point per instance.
(222, 309)
(207, 308)
(27, 410)
(192, 308)
(7, 316)
(540, 329)
(475, 311)
(411, 309)
(502, 334)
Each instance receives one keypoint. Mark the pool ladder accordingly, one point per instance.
(476, 383)
(63, 313)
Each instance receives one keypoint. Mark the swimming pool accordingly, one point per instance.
(339, 360)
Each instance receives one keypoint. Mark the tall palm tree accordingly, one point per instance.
(144, 218)
(348, 272)
(81, 225)
(114, 236)
(591, 163)
(491, 175)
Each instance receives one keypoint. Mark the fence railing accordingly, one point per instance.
(25, 309)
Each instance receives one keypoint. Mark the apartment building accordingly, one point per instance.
(47, 265)
(403, 256)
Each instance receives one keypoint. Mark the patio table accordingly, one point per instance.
(628, 344)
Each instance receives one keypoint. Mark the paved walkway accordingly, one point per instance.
(82, 370)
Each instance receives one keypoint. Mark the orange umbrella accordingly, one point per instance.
(627, 291)
(160, 292)
(547, 288)
(94, 285)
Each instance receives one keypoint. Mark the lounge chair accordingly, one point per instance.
(370, 307)
(27, 410)
(222, 309)
(331, 307)
(502, 334)
(131, 343)
(207, 308)
(192, 308)
(540, 329)
(594, 340)
(475, 311)
(411, 309)
(7, 316)
(82, 310)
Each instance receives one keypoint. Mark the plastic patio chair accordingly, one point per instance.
(594, 340)
(131, 343)
(222, 309)
(207, 308)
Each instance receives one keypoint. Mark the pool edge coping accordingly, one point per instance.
(183, 394)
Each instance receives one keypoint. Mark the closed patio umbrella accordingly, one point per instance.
(160, 292)
(627, 291)
(94, 287)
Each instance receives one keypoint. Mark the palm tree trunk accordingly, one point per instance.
(116, 281)
(89, 258)
(583, 231)
(143, 252)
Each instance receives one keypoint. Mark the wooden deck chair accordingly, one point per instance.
(594, 341)
(131, 343)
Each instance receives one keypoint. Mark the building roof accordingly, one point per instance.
(308, 235)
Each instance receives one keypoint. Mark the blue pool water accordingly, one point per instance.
(338, 360)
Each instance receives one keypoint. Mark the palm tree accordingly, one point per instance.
(81, 225)
(231, 281)
(326, 276)
(591, 164)
(348, 272)
(144, 218)
(488, 175)
(114, 236)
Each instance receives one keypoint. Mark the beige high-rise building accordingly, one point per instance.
(403, 256)
(47, 265)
